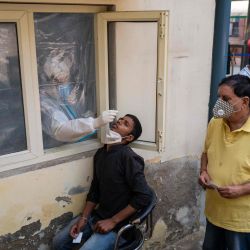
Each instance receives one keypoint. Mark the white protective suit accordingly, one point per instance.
(60, 118)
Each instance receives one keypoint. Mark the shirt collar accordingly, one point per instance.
(114, 147)
(245, 127)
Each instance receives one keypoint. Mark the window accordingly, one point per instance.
(66, 69)
(12, 126)
(51, 48)
(132, 69)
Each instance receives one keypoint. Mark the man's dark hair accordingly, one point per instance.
(137, 130)
(239, 83)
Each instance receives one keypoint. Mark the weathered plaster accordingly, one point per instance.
(43, 194)
(31, 237)
(175, 183)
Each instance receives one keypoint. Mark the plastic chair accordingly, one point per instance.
(140, 223)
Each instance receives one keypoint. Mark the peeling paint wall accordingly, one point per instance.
(175, 183)
(32, 237)
(43, 194)
(37, 202)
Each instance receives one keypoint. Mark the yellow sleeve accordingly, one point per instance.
(208, 135)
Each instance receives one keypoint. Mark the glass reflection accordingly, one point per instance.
(12, 125)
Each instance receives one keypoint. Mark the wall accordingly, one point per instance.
(38, 202)
(189, 68)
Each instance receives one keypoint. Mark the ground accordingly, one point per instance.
(190, 242)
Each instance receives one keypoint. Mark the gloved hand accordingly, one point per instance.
(106, 117)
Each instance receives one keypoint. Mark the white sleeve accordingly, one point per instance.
(74, 130)
(57, 124)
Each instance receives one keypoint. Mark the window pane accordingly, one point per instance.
(132, 72)
(12, 125)
(66, 69)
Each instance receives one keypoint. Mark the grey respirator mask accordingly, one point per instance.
(223, 109)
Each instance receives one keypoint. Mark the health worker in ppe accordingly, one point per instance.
(64, 111)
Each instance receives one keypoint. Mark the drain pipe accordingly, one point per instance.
(220, 48)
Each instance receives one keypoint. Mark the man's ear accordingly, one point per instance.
(246, 101)
(128, 138)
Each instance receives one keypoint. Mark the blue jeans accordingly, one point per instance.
(90, 239)
(217, 238)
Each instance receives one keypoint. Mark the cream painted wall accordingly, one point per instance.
(191, 24)
(33, 194)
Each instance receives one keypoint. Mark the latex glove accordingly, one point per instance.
(106, 117)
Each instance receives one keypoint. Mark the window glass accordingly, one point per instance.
(132, 72)
(66, 70)
(12, 125)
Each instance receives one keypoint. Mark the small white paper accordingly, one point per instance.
(78, 238)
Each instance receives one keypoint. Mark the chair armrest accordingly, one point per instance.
(120, 232)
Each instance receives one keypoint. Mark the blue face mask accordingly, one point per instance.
(64, 91)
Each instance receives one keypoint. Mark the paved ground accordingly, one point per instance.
(190, 242)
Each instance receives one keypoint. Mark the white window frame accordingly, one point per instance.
(28, 91)
(161, 17)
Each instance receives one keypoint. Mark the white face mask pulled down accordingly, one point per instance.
(109, 136)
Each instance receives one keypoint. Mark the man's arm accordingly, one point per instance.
(204, 162)
(141, 194)
(88, 208)
(104, 226)
(204, 179)
(91, 202)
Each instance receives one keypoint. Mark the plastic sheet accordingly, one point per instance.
(66, 70)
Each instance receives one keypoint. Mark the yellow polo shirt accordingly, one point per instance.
(228, 164)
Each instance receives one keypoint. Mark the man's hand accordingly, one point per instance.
(104, 226)
(231, 192)
(76, 228)
(204, 179)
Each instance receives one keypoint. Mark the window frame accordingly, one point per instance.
(28, 89)
(161, 17)
(22, 15)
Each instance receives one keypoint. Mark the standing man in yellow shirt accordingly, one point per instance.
(225, 168)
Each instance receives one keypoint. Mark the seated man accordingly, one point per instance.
(117, 191)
